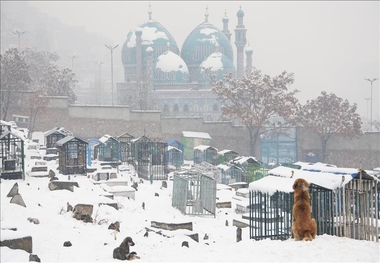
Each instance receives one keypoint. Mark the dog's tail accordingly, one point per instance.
(307, 236)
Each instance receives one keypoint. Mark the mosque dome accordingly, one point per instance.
(219, 64)
(152, 34)
(200, 43)
(170, 69)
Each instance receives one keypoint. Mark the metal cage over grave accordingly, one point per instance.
(194, 193)
(351, 211)
(230, 173)
(54, 135)
(108, 149)
(149, 157)
(270, 216)
(72, 155)
(126, 148)
(12, 154)
(205, 153)
(174, 156)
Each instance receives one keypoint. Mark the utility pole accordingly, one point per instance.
(111, 49)
(72, 61)
(373, 80)
(19, 34)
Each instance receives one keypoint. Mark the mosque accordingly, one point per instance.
(160, 76)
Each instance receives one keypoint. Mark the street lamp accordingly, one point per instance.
(367, 99)
(373, 80)
(19, 34)
(99, 63)
(72, 61)
(111, 49)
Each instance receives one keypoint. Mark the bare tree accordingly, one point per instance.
(36, 104)
(261, 102)
(329, 115)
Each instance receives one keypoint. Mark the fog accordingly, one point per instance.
(329, 46)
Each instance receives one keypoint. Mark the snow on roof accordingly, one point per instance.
(243, 159)
(149, 34)
(105, 138)
(208, 31)
(222, 152)
(203, 147)
(190, 134)
(211, 39)
(226, 167)
(6, 133)
(271, 184)
(170, 61)
(5, 123)
(223, 167)
(278, 179)
(213, 62)
(173, 148)
(320, 167)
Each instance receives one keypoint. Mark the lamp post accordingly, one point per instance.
(111, 49)
(19, 34)
(367, 99)
(99, 88)
(373, 80)
(72, 61)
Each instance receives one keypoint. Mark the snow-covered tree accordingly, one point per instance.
(14, 78)
(56, 82)
(329, 115)
(262, 103)
(38, 62)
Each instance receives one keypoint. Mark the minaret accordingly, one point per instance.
(149, 68)
(138, 33)
(248, 53)
(240, 41)
(225, 26)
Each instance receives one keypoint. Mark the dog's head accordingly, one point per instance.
(301, 185)
(129, 241)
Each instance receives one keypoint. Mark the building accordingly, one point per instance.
(160, 76)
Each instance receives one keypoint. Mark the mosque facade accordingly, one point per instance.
(160, 76)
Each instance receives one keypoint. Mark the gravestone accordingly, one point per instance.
(13, 191)
(17, 199)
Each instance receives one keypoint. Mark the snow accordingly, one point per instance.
(170, 61)
(214, 62)
(149, 34)
(191, 134)
(203, 148)
(208, 31)
(93, 242)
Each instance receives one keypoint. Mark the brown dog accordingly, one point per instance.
(304, 226)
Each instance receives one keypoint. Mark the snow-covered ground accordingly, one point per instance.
(94, 242)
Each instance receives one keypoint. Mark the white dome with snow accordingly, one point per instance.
(218, 64)
(171, 69)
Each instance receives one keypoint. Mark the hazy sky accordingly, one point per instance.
(329, 46)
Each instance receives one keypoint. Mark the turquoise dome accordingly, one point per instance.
(248, 51)
(219, 64)
(200, 44)
(240, 13)
(170, 69)
(154, 35)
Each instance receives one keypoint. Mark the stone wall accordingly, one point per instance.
(94, 122)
